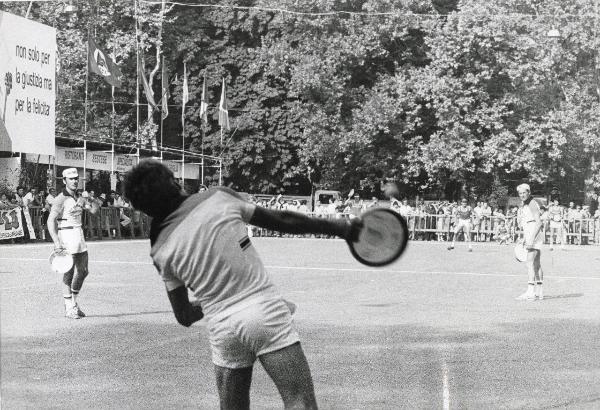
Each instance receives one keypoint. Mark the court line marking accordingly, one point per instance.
(357, 269)
(445, 387)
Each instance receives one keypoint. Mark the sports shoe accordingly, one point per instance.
(72, 313)
(79, 311)
(450, 247)
(526, 296)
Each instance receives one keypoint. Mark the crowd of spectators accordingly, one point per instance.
(435, 220)
(42, 199)
(427, 220)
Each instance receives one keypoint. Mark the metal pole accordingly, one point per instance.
(87, 74)
(137, 76)
(221, 159)
(84, 162)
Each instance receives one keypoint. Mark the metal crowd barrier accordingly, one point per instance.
(441, 228)
(108, 223)
(118, 223)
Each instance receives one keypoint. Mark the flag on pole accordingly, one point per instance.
(147, 89)
(223, 112)
(99, 63)
(165, 92)
(186, 95)
(203, 104)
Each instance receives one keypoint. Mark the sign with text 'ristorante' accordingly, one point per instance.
(99, 160)
(27, 85)
(104, 161)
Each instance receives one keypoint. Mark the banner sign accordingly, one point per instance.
(11, 223)
(173, 166)
(27, 85)
(124, 163)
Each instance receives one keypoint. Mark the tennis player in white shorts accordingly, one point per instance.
(534, 238)
(200, 242)
(64, 226)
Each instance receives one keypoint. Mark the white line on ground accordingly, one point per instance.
(445, 387)
(357, 269)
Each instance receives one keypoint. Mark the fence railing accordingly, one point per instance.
(108, 223)
(118, 223)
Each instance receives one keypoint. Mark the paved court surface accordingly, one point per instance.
(436, 330)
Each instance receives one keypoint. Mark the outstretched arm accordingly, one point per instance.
(297, 223)
(185, 312)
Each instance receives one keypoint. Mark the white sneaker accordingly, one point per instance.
(539, 292)
(79, 311)
(72, 313)
(526, 296)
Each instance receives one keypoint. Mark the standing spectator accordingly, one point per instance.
(374, 203)
(597, 227)
(5, 203)
(18, 197)
(571, 213)
(31, 198)
(533, 239)
(555, 214)
(103, 200)
(122, 204)
(593, 203)
(48, 201)
(485, 214)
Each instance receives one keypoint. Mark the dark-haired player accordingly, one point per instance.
(200, 242)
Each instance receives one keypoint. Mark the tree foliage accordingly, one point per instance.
(444, 97)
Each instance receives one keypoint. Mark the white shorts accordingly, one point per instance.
(239, 336)
(73, 240)
(528, 233)
(463, 224)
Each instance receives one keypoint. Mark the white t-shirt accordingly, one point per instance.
(204, 244)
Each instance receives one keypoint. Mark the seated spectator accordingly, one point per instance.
(501, 233)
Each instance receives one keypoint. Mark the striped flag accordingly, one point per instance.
(203, 104)
(186, 94)
(165, 92)
(223, 111)
(147, 90)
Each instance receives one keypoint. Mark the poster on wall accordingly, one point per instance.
(27, 85)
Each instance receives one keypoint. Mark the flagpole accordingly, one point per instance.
(183, 129)
(112, 118)
(137, 76)
(87, 74)
(162, 88)
(221, 160)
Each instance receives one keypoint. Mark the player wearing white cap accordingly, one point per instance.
(64, 226)
(534, 238)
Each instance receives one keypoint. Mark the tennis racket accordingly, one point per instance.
(520, 251)
(382, 239)
(61, 261)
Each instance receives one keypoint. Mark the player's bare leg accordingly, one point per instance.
(530, 292)
(234, 387)
(539, 276)
(80, 261)
(288, 368)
